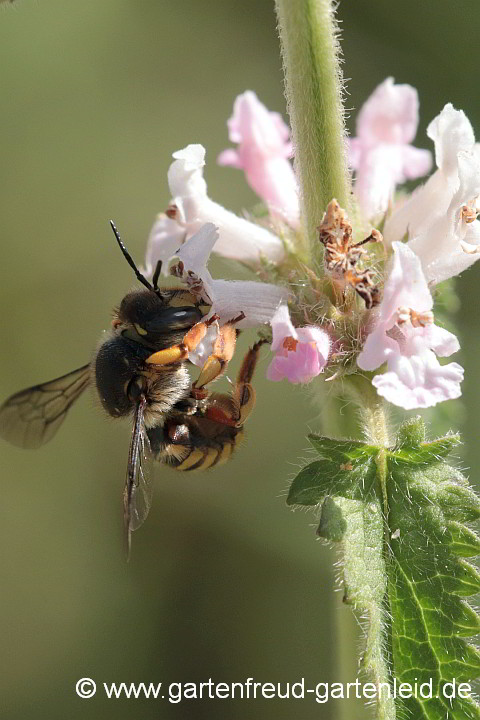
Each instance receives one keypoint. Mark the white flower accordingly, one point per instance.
(165, 238)
(191, 208)
(406, 338)
(440, 216)
(229, 299)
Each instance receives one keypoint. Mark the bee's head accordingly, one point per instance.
(146, 321)
(118, 374)
(153, 321)
(155, 317)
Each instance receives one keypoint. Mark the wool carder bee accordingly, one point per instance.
(140, 370)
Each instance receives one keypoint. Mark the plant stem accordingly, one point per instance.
(365, 574)
(313, 83)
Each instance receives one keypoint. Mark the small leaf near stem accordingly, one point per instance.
(313, 83)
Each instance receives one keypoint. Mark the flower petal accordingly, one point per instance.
(312, 334)
(431, 215)
(282, 327)
(238, 238)
(258, 301)
(452, 132)
(416, 162)
(256, 127)
(381, 153)
(440, 245)
(443, 342)
(390, 115)
(165, 237)
(300, 353)
(377, 348)
(230, 157)
(378, 173)
(406, 285)
(414, 377)
(228, 298)
(263, 149)
(419, 381)
(300, 366)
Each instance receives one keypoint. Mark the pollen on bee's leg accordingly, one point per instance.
(174, 354)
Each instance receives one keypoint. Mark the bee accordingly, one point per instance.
(140, 371)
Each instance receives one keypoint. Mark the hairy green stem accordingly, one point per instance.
(366, 576)
(313, 82)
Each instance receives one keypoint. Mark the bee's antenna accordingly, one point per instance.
(130, 261)
(156, 275)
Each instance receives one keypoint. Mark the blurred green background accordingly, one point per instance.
(224, 581)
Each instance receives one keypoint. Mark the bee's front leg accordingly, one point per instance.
(222, 353)
(180, 352)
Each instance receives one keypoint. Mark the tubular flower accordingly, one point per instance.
(165, 238)
(381, 153)
(300, 353)
(191, 208)
(263, 150)
(248, 303)
(440, 217)
(407, 339)
(229, 298)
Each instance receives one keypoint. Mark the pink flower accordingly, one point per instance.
(382, 154)
(263, 151)
(300, 353)
(408, 341)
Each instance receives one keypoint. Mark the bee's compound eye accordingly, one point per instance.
(136, 387)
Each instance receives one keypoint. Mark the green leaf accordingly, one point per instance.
(427, 579)
(399, 515)
(333, 524)
(464, 542)
(365, 582)
(341, 450)
(347, 469)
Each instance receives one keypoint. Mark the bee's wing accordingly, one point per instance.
(137, 496)
(31, 417)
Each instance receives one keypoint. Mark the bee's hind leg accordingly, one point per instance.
(243, 393)
(235, 409)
